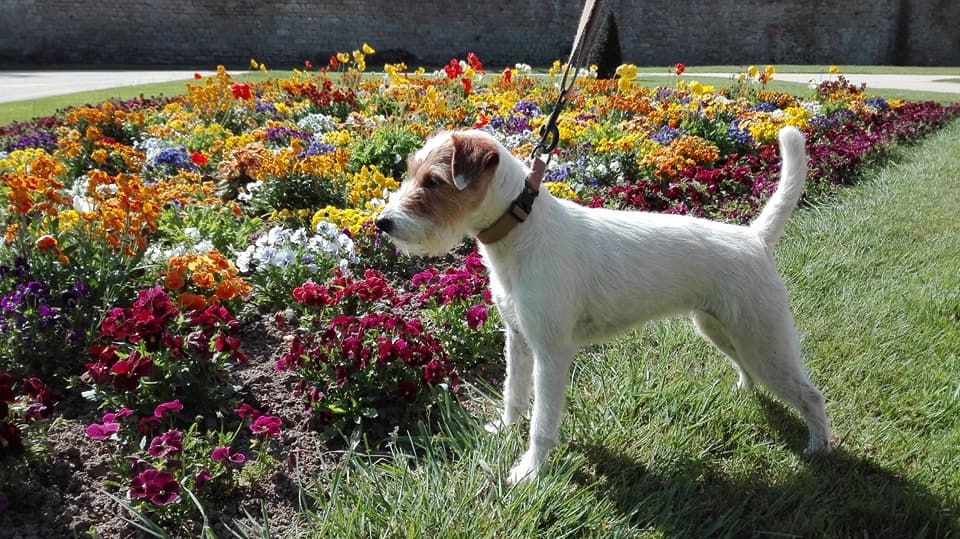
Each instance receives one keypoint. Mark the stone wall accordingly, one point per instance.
(652, 32)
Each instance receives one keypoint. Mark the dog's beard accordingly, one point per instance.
(435, 244)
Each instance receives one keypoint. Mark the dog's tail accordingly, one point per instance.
(793, 171)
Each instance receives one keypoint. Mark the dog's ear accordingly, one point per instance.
(471, 156)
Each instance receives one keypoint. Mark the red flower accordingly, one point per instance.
(434, 372)
(407, 390)
(679, 69)
(242, 91)
(334, 63)
(476, 315)
(474, 62)
(11, 442)
(308, 64)
(159, 487)
(482, 120)
(467, 85)
(127, 372)
(198, 158)
(197, 76)
(507, 74)
(453, 69)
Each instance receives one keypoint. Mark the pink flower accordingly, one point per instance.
(245, 411)
(102, 432)
(163, 407)
(228, 454)
(112, 417)
(476, 315)
(266, 424)
(159, 487)
(167, 443)
(202, 477)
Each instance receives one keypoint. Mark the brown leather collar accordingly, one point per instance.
(519, 209)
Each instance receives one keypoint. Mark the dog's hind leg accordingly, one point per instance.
(516, 387)
(772, 356)
(710, 329)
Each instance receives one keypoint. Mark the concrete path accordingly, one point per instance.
(923, 83)
(21, 85)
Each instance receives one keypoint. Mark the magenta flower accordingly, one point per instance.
(113, 417)
(163, 407)
(159, 487)
(266, 424)
(245, 411)
(476, 315)
(202, 477)
(102, 432)
(168, 443)
(228, 454)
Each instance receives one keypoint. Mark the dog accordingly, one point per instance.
(568, 276)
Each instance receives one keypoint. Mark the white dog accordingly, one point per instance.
(569, 275)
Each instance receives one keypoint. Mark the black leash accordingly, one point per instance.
(549, 132)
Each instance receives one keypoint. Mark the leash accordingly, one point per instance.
(521, 206)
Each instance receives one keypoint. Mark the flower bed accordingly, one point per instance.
(141, 237)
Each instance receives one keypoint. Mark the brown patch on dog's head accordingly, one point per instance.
(449, 180)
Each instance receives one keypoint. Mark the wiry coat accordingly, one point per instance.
(571, 275)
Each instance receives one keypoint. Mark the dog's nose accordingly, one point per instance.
(385, 224)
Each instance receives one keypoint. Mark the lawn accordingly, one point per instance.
(657, 444)
(201, 333)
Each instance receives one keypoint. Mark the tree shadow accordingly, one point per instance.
(837, 495)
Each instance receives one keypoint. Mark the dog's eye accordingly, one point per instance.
(431, 182)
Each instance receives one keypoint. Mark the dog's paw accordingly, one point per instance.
(816, 449)
(495, 426)
(525, 470)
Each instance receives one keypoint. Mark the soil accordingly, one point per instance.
(61, 492)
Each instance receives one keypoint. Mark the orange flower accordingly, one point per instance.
(232, 288)
(189, 301)
(203, 279)
(174, 280)
(47, 242)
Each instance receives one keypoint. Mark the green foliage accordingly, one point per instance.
(387, 150)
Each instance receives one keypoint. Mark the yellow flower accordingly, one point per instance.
(68, 219)
(752, 71)
(343, 57)
(358, 57)
(770, 70)
(99, 156)
(367, 49)
(263, 68)
(561, 190)
(627, 71)
(254, 64)
(834, 69)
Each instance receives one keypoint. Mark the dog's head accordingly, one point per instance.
(444, 196)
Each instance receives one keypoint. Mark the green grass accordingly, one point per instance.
(46, 106)
(657, 445)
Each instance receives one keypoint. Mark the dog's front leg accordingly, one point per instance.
(551, 368)
(516, 388)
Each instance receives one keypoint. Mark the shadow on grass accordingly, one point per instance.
(839, 495)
